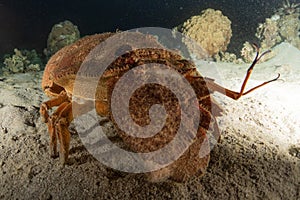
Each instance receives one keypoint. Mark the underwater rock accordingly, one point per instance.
(21, 89)
(20, 98)
(211, 30)
(62, 34)
(22, 61)
(15, 119)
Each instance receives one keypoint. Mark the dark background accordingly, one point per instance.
(25, 24)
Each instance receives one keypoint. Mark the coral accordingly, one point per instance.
(288, 8)
(289, 27)
(211, 30)
(22, 61)
(283, 26)
(62, 34)
(248, 53)
(227, 57)
(268, 33)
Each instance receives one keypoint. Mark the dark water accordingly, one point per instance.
(25, 24)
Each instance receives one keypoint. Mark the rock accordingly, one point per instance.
(62, 34)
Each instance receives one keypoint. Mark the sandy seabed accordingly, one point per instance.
(258, 156)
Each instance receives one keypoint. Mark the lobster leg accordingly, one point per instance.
(55, 124)
(51, 120)
(236, 95)
(62, 97)
(62, 123)
(58, 125)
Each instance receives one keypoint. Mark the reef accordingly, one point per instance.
(211, 30)
(248, 53)
(227, 57)
(21, 61)
(288, 8)
(62, 34)
(268, 33)
(282, 26)
(289, 27)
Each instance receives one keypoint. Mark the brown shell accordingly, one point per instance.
(61, 72)
(190, 163)
(61, 69)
